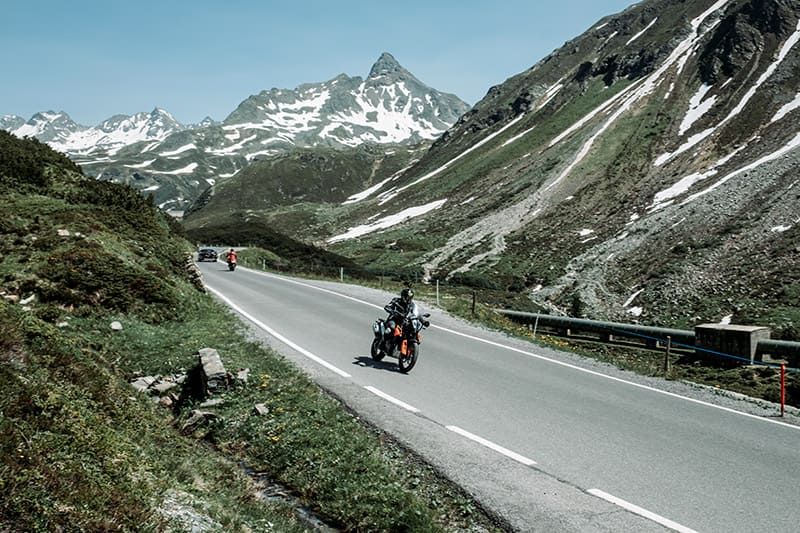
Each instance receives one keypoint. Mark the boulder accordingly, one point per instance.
(212, 372)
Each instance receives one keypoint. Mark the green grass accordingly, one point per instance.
(82, 452)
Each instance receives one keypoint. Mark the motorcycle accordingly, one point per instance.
(401, 342)
(232, 264)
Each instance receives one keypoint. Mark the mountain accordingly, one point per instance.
(11, 122)
(390, 106)
(59, 131)
(647, 170)
(50, 127)
(176, 163)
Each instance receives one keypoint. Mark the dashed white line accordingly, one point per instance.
(392, 399)
(489, 444)
(278, 336)
(640, 511)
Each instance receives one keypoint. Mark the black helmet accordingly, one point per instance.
(407, 294)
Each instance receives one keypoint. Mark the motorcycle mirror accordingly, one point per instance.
(426, 315)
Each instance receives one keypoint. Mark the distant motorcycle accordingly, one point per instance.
(401, 342)
(232, 264)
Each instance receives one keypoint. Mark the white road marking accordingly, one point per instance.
(489, 444)
(549, 360)
(641, 512)
(277, 335)
(392, 399)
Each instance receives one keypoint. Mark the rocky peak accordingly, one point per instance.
(11, 122)
(207, 121)
(387, 65)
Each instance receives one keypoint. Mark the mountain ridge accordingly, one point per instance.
(175, 162)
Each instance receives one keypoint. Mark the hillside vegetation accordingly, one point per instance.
(81, 450)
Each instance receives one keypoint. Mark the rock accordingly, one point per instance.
(212, 403)
(196, 419)
(212, 371)
(261, 409)
(62, 324)
(28, 300)
(11, 298)
(243, 376)
(143, 383)
(116, 326)
(63, 233)
(163, 387)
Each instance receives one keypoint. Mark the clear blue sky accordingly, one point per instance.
(94, 59)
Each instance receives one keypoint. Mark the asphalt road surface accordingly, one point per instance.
(547, 440)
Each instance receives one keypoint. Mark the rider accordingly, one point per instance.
(400, 307)
(231, 256)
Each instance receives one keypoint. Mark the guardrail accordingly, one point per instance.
(651, 337)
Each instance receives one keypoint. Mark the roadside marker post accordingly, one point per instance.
(783, 388)
(666, 356)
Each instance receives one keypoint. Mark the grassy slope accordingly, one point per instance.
(80, 450)
(302, 177)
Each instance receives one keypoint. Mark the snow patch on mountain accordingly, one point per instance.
(180, 150)
(387, 221)
(697, 108)
(188, 169)
(786, 109)
(788, 147)
(696, 139)
(641, 32)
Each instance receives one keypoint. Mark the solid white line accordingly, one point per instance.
(496, 447)
(392, 399)
(277, 335)
(641, 512)
(543, 358)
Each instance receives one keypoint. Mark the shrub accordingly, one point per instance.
(86, 274)
(24, 162)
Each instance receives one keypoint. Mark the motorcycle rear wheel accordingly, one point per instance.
(407, 362)
(375, 350)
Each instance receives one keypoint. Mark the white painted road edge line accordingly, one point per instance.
(392, 399)
(277, 335)
(641, 512)
(496, 447)
(543, 358)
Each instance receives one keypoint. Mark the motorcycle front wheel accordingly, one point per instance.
(407, 362)
(375, 351)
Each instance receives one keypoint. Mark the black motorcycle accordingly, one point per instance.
(401, 342)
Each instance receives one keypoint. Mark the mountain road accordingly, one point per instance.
(548, 441)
